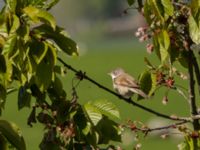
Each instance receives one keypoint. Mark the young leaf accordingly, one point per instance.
(107, 108)
(37, 15)
(12, 134)
(93, 113)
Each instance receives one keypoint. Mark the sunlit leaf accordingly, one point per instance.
(164, 45)
(93, 113)
(11, 4)
(37, 15)
(168, 8)
(15, 24)
(194, 29)
(10, 44)
(107, 108)
(12, 134)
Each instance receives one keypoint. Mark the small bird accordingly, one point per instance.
(125, 84)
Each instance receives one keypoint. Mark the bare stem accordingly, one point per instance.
(82, 75)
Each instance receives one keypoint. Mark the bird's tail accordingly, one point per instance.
(139, 92)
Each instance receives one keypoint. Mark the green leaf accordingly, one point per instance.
(15, 24)
(11, 4)
(44, 74)
(38, 50)
(109, 131)
(107, 108)
(147, 82)
(131, 2)
(168, 8)
(164, 45)
(3, 143)
(10, 44)
(38, 15)
(24, 98)
(93, 113)
(194, 29)
(58, 36)
(12, 134)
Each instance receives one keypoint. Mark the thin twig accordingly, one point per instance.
(82, 75)
(146, 130)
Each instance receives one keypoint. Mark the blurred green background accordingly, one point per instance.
(105, 36)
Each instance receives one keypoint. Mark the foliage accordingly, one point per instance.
(30, 42)
(172, 32)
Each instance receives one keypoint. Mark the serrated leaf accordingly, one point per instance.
(107, 108)
(12, 134)
(131, 2)
(61, 40)
(93, 113)
(24, 98)
(37, 15)
(194, 29)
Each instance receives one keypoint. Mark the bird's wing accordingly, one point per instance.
(126, 80)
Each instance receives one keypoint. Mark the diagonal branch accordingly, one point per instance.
(82, 75)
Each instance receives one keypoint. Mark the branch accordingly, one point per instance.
(196, 70)
(82, 75)
(192, 98)
(146, 130)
